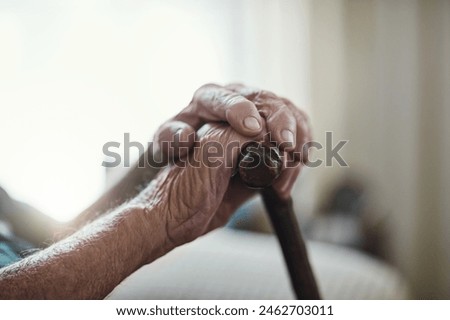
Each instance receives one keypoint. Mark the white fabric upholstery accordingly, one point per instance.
(231, 264)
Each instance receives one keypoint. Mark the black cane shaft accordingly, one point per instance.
(285, 224)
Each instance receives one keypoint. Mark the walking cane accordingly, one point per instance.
(259, 166)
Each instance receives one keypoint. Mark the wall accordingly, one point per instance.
(380, 79)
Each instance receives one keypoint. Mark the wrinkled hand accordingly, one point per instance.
(250, 112)
(199, 192)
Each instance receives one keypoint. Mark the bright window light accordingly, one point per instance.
(75, 75)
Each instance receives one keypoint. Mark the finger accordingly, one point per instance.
(174, 139)
(243, 116)
(245, 91)
(268, 103)
(212, 103)
(282, 125)
(304, 134)
(285, 182)
(255, 95)
(304, 138)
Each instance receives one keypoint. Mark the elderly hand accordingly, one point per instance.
(196, 194)
(199, 192)
(249, 112)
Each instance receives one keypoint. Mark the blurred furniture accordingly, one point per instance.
(244, 261)
(236, 264)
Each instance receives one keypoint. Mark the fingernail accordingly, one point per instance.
(287, 136)
(252, 123)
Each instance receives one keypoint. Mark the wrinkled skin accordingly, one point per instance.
(179, 205)
(197, 200)
(233, 104)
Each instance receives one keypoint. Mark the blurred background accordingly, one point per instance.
(77, 74)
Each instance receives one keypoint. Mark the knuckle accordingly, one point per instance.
(234, 99)
(235, 86)
(203, 89)
(282, 113)
(267, 94)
